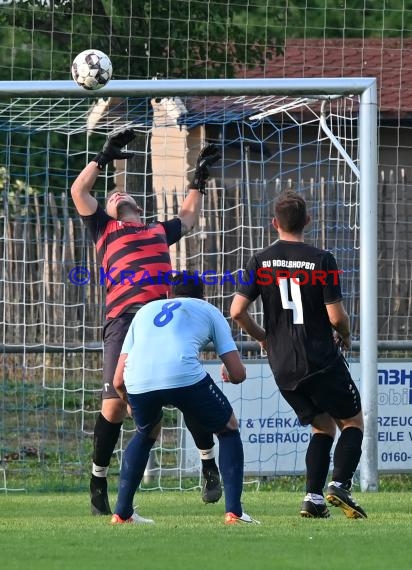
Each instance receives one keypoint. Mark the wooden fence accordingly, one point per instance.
(42, 239)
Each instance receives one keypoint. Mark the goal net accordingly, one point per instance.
(51, 293)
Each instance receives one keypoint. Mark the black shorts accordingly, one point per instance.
(203, 402)
(114, 332)
(332, 391)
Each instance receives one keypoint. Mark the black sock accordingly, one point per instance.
(347, 454)
(317, 462)
(106, 435)
(98, 483)
(209, 465)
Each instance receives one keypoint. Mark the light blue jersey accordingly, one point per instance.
(164, 341)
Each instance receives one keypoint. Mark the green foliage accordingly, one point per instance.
(347, 19)
(171, 39)
(10, 193)
(179, 38)
(143, 38)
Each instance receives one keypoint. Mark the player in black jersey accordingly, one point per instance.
(305, 328)
(133, 255)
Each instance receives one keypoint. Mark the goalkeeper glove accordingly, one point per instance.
(207, 157)
(112, 148)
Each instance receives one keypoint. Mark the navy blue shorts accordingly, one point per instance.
(332, 391)
(204, 402)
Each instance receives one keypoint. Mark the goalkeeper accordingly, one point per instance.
(126, 245)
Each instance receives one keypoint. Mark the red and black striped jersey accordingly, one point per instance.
(134, 258)
(295, 281)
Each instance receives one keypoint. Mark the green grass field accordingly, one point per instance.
(51, 531)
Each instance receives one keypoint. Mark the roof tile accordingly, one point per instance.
(389, 60)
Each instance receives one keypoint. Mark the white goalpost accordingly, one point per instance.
(316, 135)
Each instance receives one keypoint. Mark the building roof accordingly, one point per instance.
(389, 60)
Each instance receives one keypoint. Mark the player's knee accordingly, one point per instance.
(324, 423)
(232, 435)
(114, 410)
(154, 433)
(355, 422)
(150, 431)
(232, 425)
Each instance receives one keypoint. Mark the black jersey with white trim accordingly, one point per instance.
(295, 281)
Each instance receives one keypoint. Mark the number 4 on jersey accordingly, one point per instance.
(296, 303)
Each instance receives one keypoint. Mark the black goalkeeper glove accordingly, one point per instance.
(207, 157)
(112, 148)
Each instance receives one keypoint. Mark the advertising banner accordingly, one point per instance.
(274, 441)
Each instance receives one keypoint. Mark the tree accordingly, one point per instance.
(144, 38)
(177, 38)
(167, 38)
(347, 19)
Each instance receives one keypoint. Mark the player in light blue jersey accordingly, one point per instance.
(160, 365)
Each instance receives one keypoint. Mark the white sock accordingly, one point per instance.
(98, 471)
(315, 498)
(207, 453)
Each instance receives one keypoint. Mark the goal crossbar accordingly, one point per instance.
(184, 87)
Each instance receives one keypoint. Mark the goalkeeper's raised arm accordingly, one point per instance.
(85, 203)
(190, 210)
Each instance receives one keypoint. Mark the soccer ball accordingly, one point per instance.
(92, 69)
